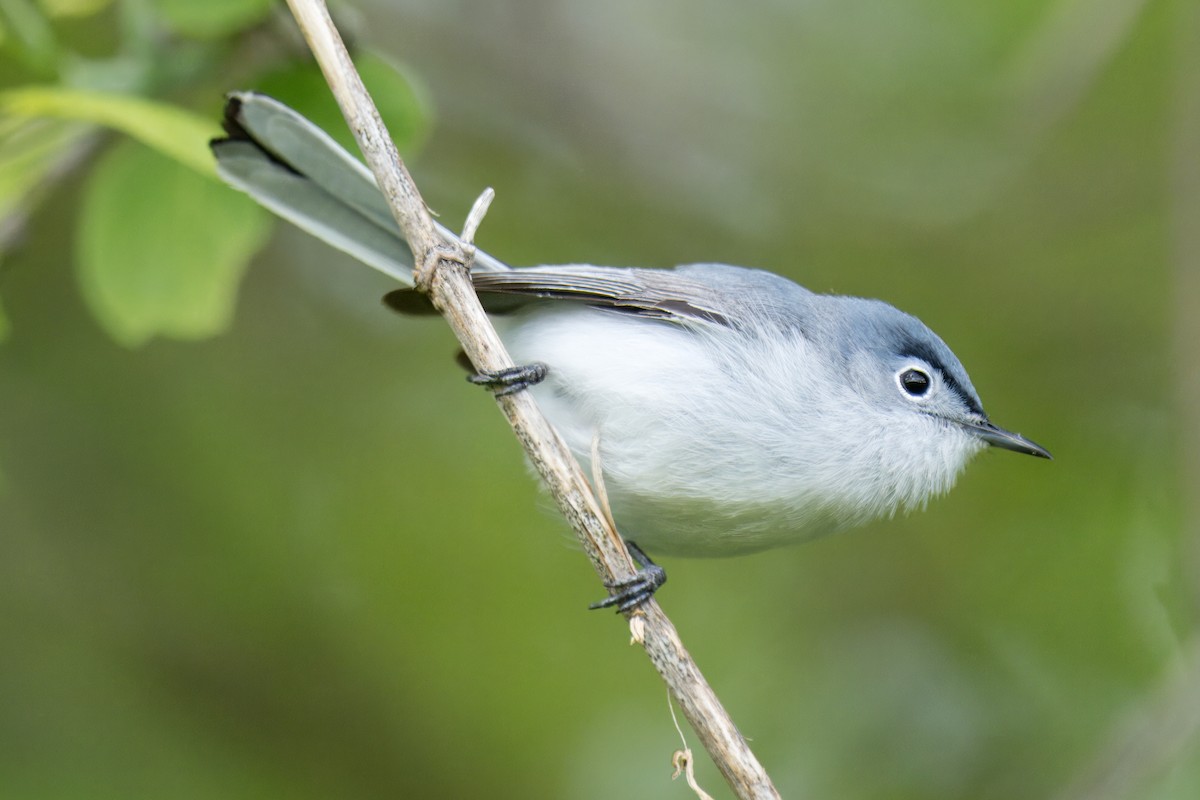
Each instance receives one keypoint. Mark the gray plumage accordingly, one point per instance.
(734, 409)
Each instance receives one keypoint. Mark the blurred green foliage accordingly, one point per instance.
(303, 558)
(142, 210)
(158, 52)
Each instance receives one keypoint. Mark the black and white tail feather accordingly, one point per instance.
(296, 170)
(299, 172)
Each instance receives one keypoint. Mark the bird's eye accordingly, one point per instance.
(914, 381)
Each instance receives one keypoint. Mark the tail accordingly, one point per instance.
(295, 169)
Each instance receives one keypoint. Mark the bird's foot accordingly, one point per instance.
(512, 379)
(633, 593)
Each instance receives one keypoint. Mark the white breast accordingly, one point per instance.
(713, 443)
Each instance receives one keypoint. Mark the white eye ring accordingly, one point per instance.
(914, 382)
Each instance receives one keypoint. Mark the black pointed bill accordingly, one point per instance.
(998, 437)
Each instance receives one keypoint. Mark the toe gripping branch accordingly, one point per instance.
(629, 595)
(626, 595)
(512, 379)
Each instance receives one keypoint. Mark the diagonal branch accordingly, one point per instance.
(442, 271)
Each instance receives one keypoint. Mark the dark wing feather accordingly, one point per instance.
(658, 294)
(652, 293)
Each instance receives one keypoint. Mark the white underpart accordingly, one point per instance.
(696, 460)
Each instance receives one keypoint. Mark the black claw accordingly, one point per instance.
(629, 595)
(511, 380)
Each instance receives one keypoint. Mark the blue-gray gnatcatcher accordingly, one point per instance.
(734, 409)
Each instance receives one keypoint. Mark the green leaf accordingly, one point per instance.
(402, 101)
(32, 149)
(212, 19)
(172, 131)
(4, 329)
(161, 250)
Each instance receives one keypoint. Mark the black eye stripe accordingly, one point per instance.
(922, 352)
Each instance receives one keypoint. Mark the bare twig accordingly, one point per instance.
(442, 271)
(682, 758)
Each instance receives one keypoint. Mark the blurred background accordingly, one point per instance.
(304, 558)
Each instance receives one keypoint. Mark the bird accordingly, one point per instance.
(734, 410)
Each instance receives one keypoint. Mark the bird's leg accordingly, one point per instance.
(511, 379)
(630, 594)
